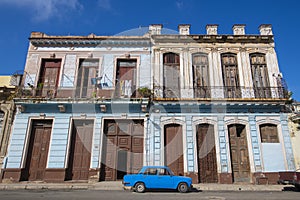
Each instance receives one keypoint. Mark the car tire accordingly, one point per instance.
(140, 187)
(182, 187)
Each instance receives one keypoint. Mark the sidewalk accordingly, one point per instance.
(117, 185)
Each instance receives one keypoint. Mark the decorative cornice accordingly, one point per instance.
(90, 42)
(265, 39)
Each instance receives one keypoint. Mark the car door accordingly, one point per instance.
(164, 179)
(150, 178)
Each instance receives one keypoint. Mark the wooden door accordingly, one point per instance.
(260, 76)
(201, 76)
(86, 71)
(207, 160)
(239, 153)
(126, 78)
(80, 150)
(230, 76)
(38, 148)
(108, 164)
(49, 76)
(174, 148)
(137, 146)
(171, 75)
(122, 148)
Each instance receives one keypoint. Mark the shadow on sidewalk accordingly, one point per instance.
(290, 188)
(194, 190)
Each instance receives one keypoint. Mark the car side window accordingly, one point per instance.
(163, 171)
(150, 171)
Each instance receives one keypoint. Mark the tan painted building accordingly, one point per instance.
(6, 114)
(294, 125)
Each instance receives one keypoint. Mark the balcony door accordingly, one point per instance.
(48, 79)
(201, 76)
(86, 72)
(126, 78)
(230, 76)
(171, 64)
(260, 76)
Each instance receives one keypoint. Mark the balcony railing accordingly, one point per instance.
(214, 92)
(76, 93)
(217, 92)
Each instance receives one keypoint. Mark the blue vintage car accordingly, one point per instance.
(156, 177)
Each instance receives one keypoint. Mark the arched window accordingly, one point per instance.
(171, 62)
(230, 76)
(260, 75)
(201, 75)
(268, 133)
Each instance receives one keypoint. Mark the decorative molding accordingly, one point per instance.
(62, 108)
(103, 108)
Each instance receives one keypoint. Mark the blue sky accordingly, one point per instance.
(109, 17)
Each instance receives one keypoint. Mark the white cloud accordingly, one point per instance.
(105, 4)
(45, 9)
(179, 4)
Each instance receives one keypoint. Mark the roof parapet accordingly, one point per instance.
(212, 29)
(184, 29)
(155, 29)
(265, 29)
(238, 29)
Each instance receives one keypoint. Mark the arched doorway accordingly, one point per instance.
(173, 147)
(239, 153)
(206, 154)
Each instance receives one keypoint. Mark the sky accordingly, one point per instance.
(18, 18)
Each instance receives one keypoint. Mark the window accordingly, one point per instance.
(230, 76)
(163, 171)
(260, 75)
(268, 133)
(171, 62)
(151, 171)
(201, 76)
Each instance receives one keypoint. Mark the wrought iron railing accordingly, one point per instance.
(222, 92)
(77, 93)
(213, 92)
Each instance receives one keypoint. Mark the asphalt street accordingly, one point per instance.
(122, 195)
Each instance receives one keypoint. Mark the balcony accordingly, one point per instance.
(159, 92)
(74, 93)
(219, 92)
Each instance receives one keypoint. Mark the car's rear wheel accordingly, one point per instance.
(182, 187)
(140, 187)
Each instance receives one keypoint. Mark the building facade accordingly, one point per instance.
(294, 125)
(7, 90)
(94, 108)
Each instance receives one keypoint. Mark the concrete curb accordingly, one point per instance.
(233, 187)
(118, 186)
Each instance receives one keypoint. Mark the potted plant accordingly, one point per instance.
(145, 92)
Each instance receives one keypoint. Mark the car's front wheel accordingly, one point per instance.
(182, 187)
(140, 187)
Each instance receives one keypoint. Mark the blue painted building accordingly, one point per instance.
(94, 108)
